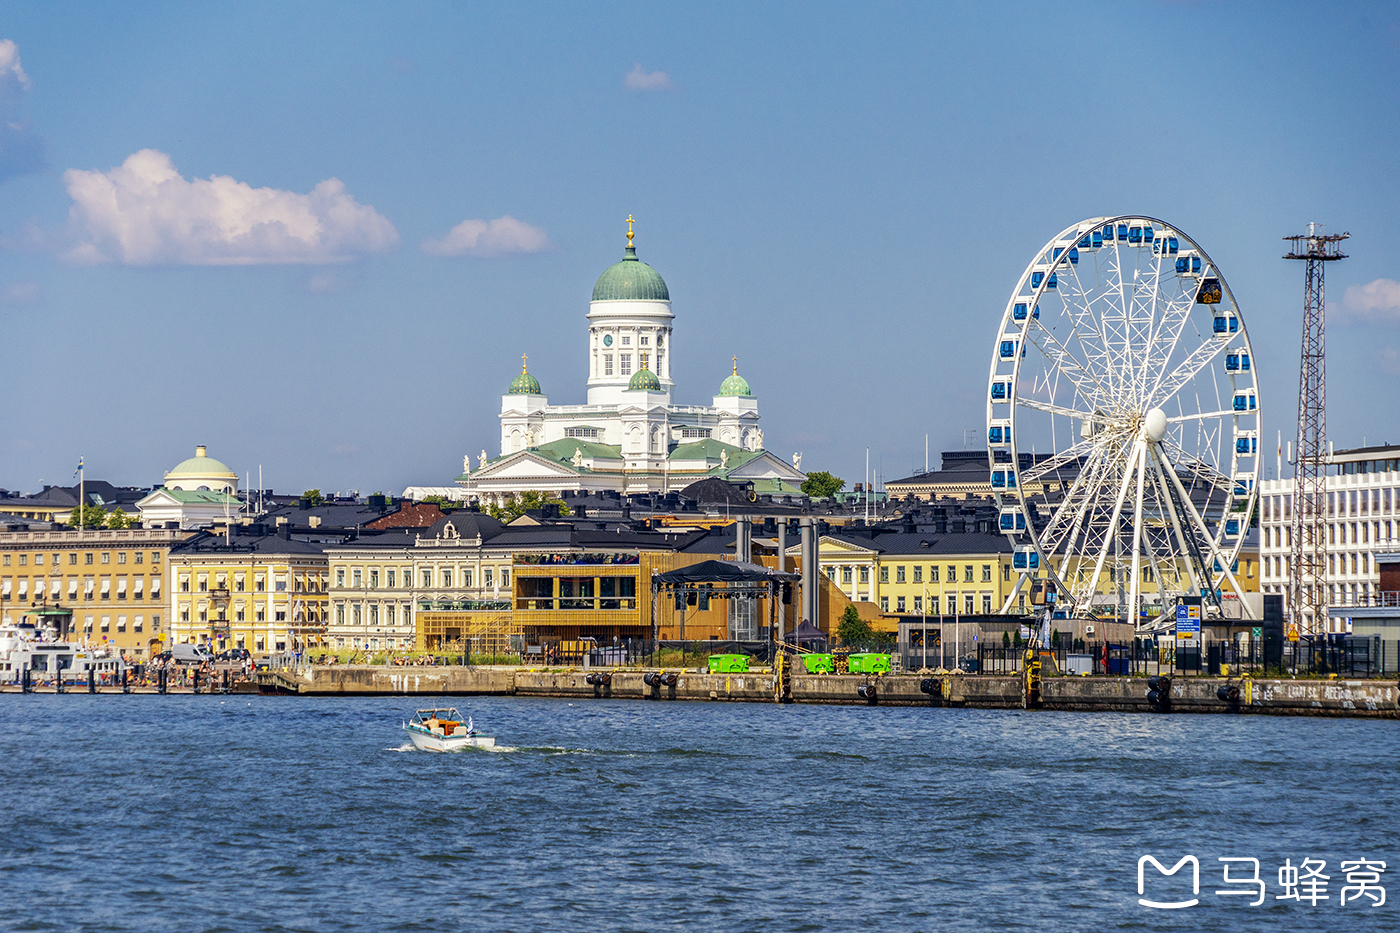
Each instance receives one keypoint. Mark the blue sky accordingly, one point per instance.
(841, 195)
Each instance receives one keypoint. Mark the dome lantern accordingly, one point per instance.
(631, 279)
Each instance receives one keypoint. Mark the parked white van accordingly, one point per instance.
(190, 654)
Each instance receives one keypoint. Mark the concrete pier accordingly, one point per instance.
(1279, 697)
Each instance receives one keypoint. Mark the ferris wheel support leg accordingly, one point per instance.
(1006, 606)
(1210, 542)
(1135, 593)
(1196, 582)
(1113, 522)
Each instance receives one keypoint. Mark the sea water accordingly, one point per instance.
(237, 813)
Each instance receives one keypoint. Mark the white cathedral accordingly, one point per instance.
(630, 437)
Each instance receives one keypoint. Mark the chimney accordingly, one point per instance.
(314, 521)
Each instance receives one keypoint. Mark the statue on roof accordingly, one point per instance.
(466, 463)
(578, 458)
(724, 459)
(797, 461)
(483, 461)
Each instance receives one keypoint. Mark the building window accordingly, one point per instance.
(447, 579)
(487, 577)
(374, 578)
(340, 615)
(374, 614)
(356, 578)
(845, 574)
(467, 577)
(389, 614)
(121, 557)
(136, 558)
(986, 604)
(340, 576)
(918, 573)
(884, 604)
(899, 604)
(967, 604)
(584, 432)
(986, 573)
(260, 583)
(106, 557)
(87, 558)
(899, 574)
(281, 617)
(918, 604)
(427, 579)
(933, 573)
(952, 604)
(1006, 573)
(355, 612)
(967, 576)
(389, 578)
(505, 576)
(281, 583)
(865, 575)
(626, 360)
(607, 364)
(627, 341)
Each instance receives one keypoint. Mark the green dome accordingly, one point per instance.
(645, 379)
(201, 465)
(525, 384)
(630, 280)
(734, 384)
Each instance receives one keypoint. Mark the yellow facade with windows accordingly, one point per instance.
(114, 582)
(263, 602)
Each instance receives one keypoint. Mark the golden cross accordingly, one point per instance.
(523, 358)
(630, 222)
(736, 365)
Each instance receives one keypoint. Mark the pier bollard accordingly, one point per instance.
(126, 688)
(195, 682)
(92, 681)
(58, 681)
(26, 684)
(160, 682)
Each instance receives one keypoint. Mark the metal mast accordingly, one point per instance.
(1309, 571)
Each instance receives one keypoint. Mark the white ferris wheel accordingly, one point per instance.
(1123, 421)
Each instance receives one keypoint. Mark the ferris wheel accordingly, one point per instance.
(1123, 421)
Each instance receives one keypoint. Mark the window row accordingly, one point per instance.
(55, 559)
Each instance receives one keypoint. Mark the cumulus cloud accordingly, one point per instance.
(21, 150)
(488, 238)
(639, 80)
(1379, 301)
(144, 212)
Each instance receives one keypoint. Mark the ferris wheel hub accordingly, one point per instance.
(1154, 425)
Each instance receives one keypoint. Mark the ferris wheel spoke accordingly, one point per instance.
(1057, 461)
(1053, 409)
(1199, 468)
(1201, 416)
(1198, 359)
(1203, 531)
(1083, 378)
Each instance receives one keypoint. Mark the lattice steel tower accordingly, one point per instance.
(1309, 597)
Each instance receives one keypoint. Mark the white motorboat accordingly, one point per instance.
(25, 648)
(442, 730)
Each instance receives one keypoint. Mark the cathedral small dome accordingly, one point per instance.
(645, 379)
(734, 384)
(525, 384)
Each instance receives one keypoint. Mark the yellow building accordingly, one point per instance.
(114, 582)
(249, 589)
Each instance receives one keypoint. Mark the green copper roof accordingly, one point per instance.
(525, 384)
(201, 465)
(630, 280)
(645, 379)
(734, 384)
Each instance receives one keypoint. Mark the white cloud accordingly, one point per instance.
(1379, 301)
(145, 213)
(21, 150)
(21, 293)
(488, 238)
(639, 80)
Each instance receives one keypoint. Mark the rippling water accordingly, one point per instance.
(247, 813)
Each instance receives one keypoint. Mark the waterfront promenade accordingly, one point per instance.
(1268, 696)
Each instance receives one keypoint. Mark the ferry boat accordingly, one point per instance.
(442, 730)
(25, 648)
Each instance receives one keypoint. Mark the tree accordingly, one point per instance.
(528, 501)
(116, 518)
(313, 497)
(822, 485)
(87, 516)
(1006, 639)
(852, 627)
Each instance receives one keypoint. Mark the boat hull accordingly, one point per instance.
(429, 742)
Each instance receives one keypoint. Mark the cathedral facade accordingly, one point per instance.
(630, 437)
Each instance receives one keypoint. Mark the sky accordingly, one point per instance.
(318, 237)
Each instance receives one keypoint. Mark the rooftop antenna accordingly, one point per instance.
(1309, 590)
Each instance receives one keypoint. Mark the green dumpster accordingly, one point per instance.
(869, 664)
(818, 663)
(729, 664)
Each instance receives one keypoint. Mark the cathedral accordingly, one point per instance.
(630, 437)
